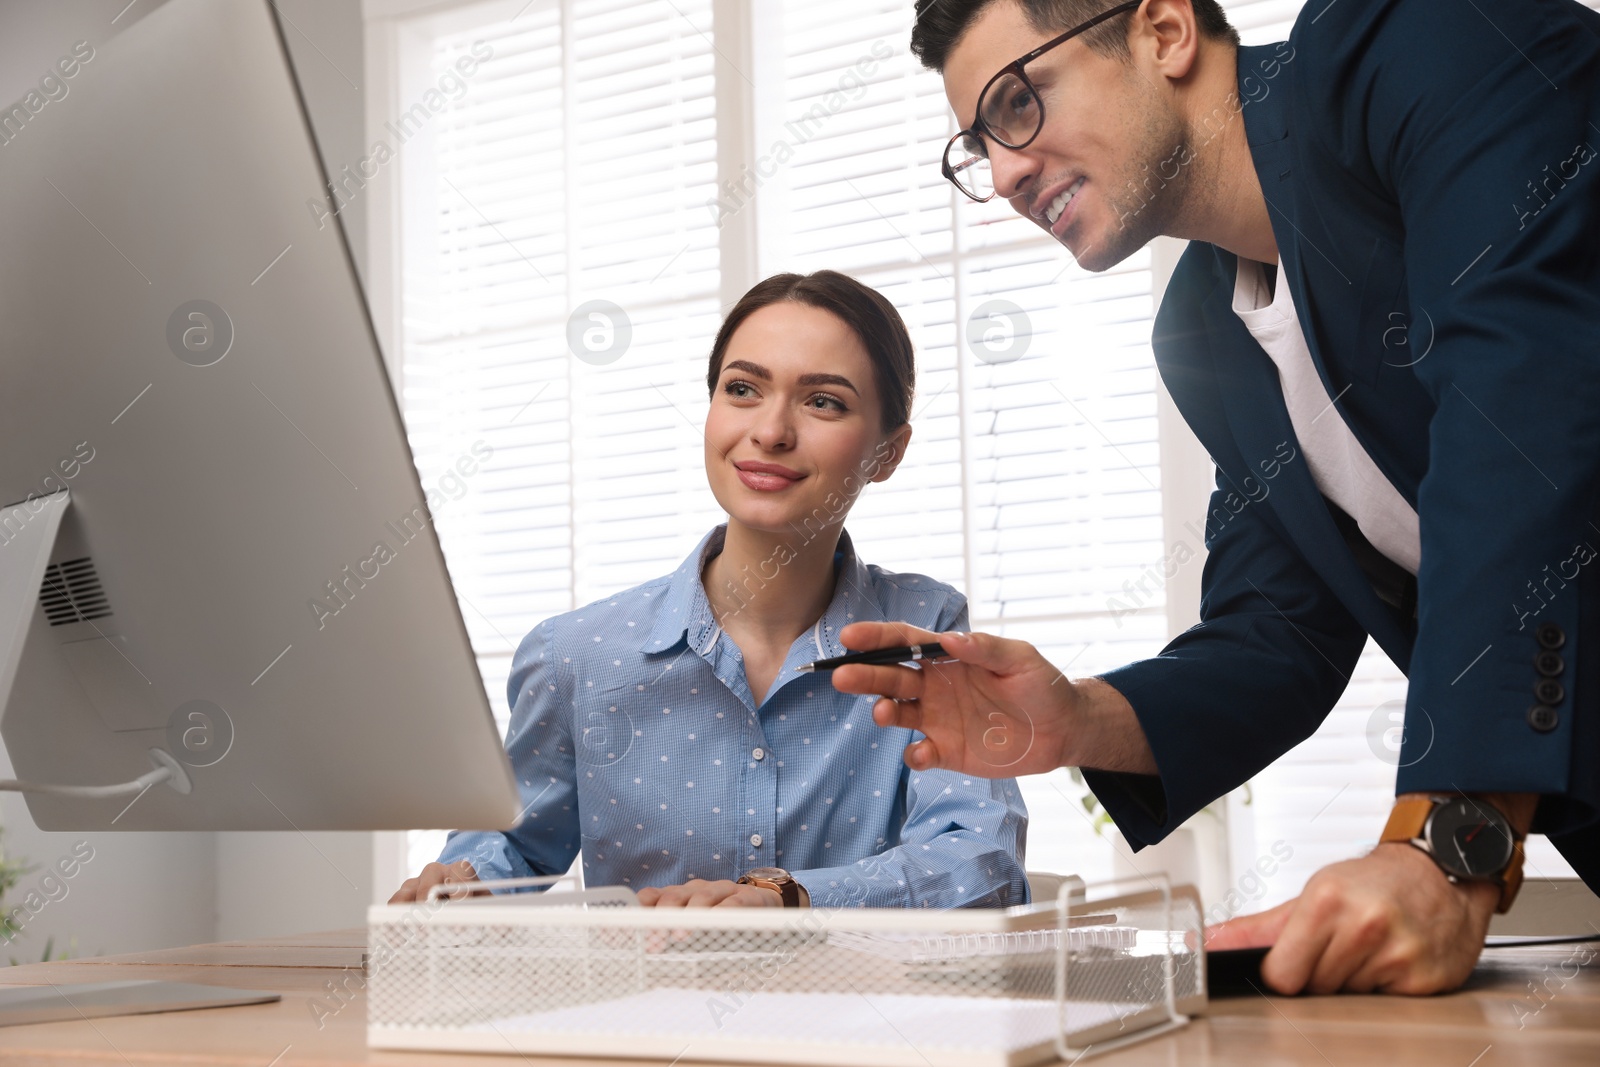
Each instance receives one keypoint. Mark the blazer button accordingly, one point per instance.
(1550, 635)
(1549, 691)
(1549, 664)
(1543, 717)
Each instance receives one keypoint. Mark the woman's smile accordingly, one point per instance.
(766, 477)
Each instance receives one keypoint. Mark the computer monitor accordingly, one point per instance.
(215, 555)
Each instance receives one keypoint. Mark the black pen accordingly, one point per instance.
(880, 657)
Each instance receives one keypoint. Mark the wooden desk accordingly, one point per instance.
(1495, 1020)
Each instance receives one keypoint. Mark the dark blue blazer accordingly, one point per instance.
(1432, 172)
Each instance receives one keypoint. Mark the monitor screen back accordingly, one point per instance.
(247, 574)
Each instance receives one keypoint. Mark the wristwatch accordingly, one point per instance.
(1470, 838)
(776, 879)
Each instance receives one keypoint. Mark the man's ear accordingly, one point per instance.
(891, 450)
(1167, 29)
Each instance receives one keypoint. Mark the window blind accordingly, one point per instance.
(575, 168)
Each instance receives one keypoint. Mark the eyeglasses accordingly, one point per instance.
(1009, 111)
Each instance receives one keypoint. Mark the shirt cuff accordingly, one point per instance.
(846, 887)
(490, 855)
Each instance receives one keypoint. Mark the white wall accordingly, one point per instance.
(272, 884)
(143, 890)
(136, 891)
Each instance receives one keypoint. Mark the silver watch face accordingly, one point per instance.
(770, 874)
(1469, 839)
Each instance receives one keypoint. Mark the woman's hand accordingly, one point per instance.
(699, 893)
(433, 874)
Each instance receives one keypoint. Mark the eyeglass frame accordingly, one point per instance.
(980, 129)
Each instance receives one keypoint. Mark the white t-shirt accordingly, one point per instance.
(1340, 467)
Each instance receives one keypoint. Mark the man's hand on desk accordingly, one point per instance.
(999, 709)
(1390, 922)
(702, 894)
(433, 874)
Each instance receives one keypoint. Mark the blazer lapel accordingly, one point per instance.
(1266, 121)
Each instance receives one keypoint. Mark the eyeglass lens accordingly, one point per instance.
(1011, 114)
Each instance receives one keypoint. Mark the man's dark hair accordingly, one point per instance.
(940, 24)
(867, 312)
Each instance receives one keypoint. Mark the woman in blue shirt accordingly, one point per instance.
(665, 732)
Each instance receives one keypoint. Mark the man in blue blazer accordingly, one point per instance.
(1390, 311)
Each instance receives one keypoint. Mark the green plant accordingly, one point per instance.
(10, 873)
(1098, 815)
(49, 947)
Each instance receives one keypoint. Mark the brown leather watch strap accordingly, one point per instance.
(1511, 880)
(1407, 818)
(1518, 808)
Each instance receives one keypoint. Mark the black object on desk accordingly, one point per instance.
(1234, 972)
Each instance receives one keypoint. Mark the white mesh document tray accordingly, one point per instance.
(591, 973)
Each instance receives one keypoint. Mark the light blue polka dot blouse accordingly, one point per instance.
(635, 738)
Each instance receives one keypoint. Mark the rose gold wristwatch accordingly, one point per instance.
(776, 879)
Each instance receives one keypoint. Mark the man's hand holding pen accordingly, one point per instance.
(994, 707)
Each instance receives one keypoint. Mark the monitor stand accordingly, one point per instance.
(29, 532)
(30, 529)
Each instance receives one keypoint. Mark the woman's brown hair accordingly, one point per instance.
(866, 311)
